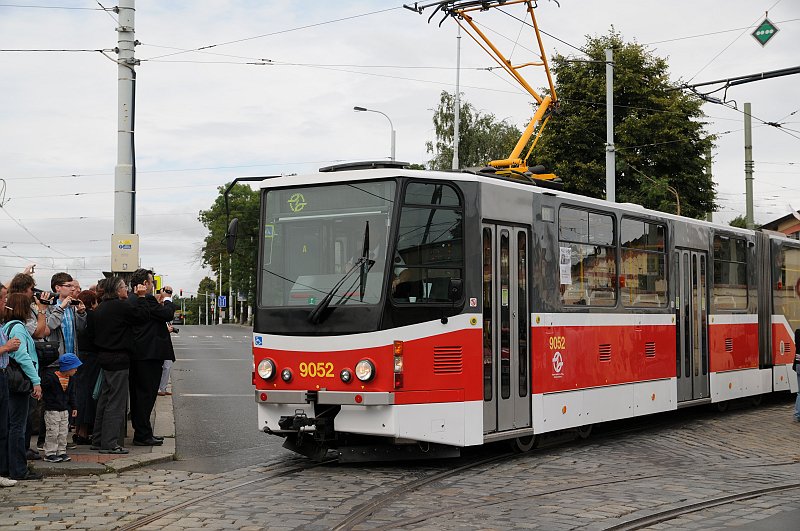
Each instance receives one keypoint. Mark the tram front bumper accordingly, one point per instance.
(341, 398)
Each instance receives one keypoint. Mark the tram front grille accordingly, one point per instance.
(605, 352)
(650, 349)
(447, 360)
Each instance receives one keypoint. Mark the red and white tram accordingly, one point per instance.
(404, 312)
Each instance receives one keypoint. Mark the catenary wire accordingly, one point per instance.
(731, 43)
(307, 26)
(712, 33)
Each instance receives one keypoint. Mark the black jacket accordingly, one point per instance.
(54, 397)
(152, 337)
(114, 320)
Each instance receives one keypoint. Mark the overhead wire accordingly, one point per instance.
(307, 26)
(731, 43)
(712, 33)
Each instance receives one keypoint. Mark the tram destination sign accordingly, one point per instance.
(764, 32)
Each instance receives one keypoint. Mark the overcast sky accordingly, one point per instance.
(203, 118)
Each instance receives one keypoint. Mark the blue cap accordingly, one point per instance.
(68, 362)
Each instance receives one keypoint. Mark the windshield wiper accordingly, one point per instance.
(363, 264)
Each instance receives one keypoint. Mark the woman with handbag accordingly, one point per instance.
(17, 311)
(6, 345)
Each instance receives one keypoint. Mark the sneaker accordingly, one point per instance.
(64, 458)
(30, 475)
(32, 456)
(40, 447)
(5, 482)
(71, 446)
(77, 439)
(116, 450)
(53, 458)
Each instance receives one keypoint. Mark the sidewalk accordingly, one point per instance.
(85, 461)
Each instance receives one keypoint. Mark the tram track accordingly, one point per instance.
(676, 512)
(367, 509)
(277, 472)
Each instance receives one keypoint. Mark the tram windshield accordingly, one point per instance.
(315, 236)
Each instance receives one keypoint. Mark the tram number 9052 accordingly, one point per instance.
(316, 370)
(558, 343)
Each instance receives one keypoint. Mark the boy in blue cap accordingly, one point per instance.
(59, 401)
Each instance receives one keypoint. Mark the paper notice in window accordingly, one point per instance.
(565, 265)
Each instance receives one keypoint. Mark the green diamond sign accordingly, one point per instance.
(765, 32)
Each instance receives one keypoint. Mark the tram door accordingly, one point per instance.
(506, 329)
(692, 319)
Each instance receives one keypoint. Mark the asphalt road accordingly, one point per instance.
(215, 414)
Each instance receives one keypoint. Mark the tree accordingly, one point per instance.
(481, 137)
(658, 132)
(244, 204)
(741, 222)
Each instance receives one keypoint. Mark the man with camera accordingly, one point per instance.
(152, 345)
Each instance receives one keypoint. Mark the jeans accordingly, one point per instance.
(3, 424)
(797, 403)
(110, 417)
(17, 419)
(165, 369)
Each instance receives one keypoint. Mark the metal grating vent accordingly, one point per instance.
(650, 349)
(728, 344)
(605, 352)
(447, 360)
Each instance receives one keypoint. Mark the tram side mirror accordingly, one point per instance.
(230, 235)
(455, 289)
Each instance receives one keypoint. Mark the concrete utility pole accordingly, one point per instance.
(231, 301)
(748, 166)
(457, 107)
(125, 170)
(611, 185)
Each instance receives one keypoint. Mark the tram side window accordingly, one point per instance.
(786, 290)
(643, 282)
(429, 251)
(587, 257)
(730, 273)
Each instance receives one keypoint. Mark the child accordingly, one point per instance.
(59, 399)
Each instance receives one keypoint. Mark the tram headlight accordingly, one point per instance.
(346, 375)
(365, 370)
(266, 369)
(286, 375)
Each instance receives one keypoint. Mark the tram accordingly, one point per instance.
(413, 313)
(408, 313)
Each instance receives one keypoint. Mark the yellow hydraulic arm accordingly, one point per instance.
(461, 11)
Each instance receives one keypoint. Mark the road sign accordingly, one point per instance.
(765, 31)
(222, 301)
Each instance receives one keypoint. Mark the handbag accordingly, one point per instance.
(18, 381)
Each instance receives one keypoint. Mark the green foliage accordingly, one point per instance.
(481, 137)
(659, 133)
(739, 221)
(244, 204)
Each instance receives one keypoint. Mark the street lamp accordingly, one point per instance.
(391, 125)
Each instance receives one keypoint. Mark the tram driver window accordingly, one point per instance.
(643, 281)
(429, 251)
(588, 258)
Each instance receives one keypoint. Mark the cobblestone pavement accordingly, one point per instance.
(591, 485)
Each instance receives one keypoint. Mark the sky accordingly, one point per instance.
(275, 95)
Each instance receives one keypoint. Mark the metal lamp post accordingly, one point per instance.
(391, 125)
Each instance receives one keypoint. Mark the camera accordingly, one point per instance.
(75, 302)
(174, 330)
(38, 294)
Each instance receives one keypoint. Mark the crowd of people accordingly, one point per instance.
(72, 359)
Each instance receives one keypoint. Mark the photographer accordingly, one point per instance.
(152, 346)
(167, 366)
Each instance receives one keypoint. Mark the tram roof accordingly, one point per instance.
(369, 174)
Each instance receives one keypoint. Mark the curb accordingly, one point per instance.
(163, 423)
